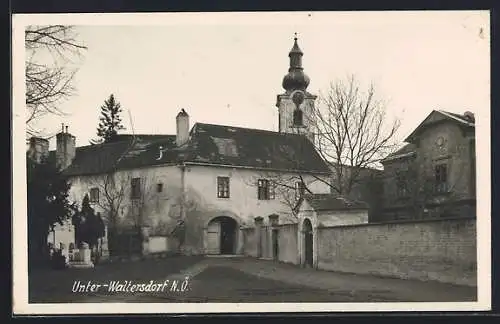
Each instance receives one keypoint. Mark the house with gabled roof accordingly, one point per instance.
(433, 175)
(197, 189)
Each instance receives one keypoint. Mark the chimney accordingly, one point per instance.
(469, 116)
(38, 149)
(182, 135)
(65, 150)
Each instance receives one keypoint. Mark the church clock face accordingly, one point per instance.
(298, 97)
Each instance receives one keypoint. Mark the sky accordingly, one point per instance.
(227, 68)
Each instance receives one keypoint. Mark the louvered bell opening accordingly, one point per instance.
(297, 118)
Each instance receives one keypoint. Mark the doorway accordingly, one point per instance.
(308, 243)
(275, 240)
(222, 235)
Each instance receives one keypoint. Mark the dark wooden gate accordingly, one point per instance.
(308, 243)
(275, 244)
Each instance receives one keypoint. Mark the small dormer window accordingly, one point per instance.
(226, 146)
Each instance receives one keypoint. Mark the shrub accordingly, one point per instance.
(58, 260)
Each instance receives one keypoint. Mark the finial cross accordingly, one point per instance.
(295, 35)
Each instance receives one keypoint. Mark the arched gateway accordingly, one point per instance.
(308, 243)
(222, 235)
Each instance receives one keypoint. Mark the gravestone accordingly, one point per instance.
(84, 260)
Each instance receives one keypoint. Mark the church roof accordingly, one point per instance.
(209, 144)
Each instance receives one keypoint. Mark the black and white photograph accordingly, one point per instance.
(251, 162)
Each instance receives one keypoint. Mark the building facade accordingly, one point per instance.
(201, 186)
(434, 174)
(200, 190)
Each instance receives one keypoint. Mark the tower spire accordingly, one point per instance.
(296, 79)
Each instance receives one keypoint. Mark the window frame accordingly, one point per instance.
(92, 197)
(441, 178)
(223, 187)
(159, 187)
(298, 118)
(402, 184)
(135, 188)
(265, 189)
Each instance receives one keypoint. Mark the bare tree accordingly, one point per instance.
(352, 134)
(287, 186)
(49, 77)
(114, 188)
(352, 131)
(142, 202)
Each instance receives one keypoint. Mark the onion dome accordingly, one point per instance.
(296, 79)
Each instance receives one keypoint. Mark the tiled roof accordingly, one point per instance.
(238, 146)
(208, 144)
(122, 153)
(322, 202)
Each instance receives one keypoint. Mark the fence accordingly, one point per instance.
(124, 243)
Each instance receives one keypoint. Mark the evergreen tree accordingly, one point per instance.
(48, 204)
(89, 226)
(110, 121)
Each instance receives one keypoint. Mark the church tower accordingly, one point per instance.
(296, 105)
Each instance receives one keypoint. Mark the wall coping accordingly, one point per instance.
(458, 202)
(411, 221)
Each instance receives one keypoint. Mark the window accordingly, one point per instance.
(226, 146)
(222, 187)
(265, 189)
(94, 195)
(297, 118)
(441, 178)
(402, 190)
(135, 191)
(300, 189)
(272, 190)
(159, 187)
(401, 185)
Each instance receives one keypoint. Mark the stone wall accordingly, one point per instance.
(266, 242)
(249, 242)
(442, 250)
(288, 245)
(287, 242)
